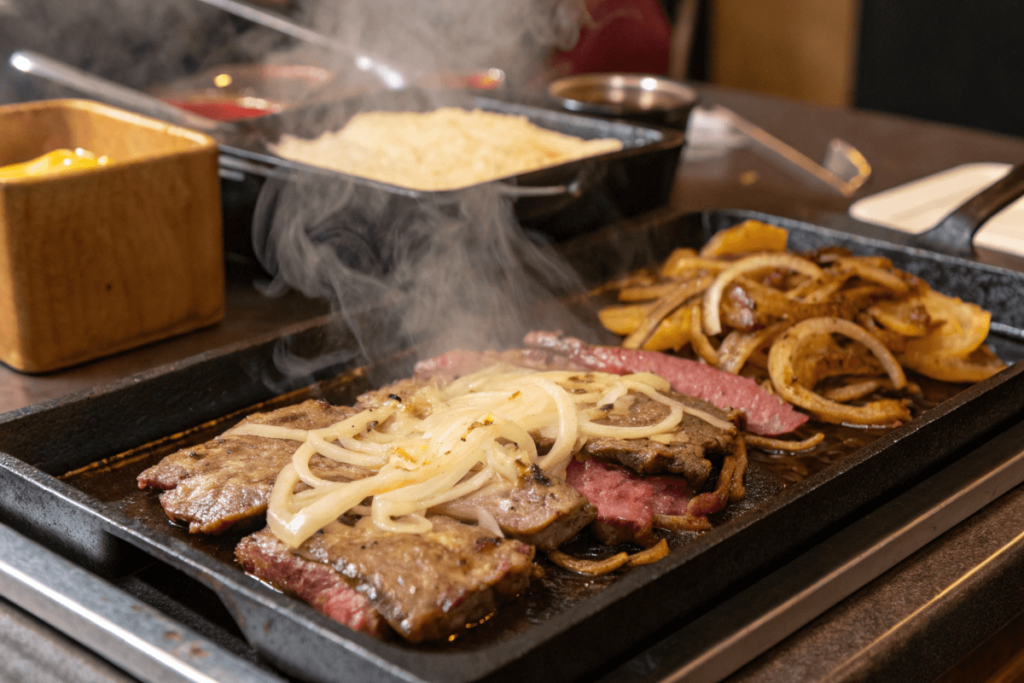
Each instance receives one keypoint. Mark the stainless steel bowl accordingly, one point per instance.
(640, 97)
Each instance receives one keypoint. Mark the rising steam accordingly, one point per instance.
(436, 272)
(424, 37)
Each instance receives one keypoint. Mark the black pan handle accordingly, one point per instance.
(233, 163)
(587, 176)
(518, 191)
(954, 234)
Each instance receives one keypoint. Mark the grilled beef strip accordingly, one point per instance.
(426, 586)
(539, 510)
(629, 506)
(764, 412)
(228, 480)
(627, 503)
(687, 454)
(264, 556)
(694, 439)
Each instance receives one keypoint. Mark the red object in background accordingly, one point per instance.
(221, 111)
(628, 36)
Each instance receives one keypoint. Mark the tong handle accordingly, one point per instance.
(775, 148)
(58, 72)
(953, 235)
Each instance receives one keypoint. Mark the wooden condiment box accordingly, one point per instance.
(99, 260)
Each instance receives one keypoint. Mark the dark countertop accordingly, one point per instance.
(864, 637)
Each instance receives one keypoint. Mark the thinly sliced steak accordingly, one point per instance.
(765, 413)
(685, 454)
(227, 480)
(426, 586)
(627, 503)
(685, 451)
(539, 510)
(263, 555)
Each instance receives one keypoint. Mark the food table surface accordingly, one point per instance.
(936, 605)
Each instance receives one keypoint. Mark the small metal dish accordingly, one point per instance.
(640, 97)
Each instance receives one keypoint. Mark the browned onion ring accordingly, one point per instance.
(699, 341)
(713, 294)
(780, 369)
(656, 552)
(682, 522)
(589, 567)
(856, 390)
(781, 444)
(683, 291)
(737, 346)
(872, 273)
(738, 490)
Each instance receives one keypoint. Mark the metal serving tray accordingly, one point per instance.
(41, 442)
(559, 202)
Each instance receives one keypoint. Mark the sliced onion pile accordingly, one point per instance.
(847, 323)
(476, 432)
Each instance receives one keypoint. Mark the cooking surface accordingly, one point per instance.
(900, 150)
(113, 483)
(557, 591)
(567, 610)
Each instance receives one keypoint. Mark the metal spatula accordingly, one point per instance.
(953, 235)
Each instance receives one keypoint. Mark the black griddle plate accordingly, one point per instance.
(40, 442)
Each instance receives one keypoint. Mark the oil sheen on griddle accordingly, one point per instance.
(113, 482)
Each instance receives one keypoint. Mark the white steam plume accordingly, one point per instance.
(435, 272)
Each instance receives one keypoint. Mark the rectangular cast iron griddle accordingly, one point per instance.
(42, 441)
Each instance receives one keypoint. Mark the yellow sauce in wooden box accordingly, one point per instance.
(57, 161)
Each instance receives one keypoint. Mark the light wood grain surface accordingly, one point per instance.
(104, 259)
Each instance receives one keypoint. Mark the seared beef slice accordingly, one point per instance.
(263, 555)
(539, 510)
(685, 453)
(426, 586)
(228, 479)
(626, 502)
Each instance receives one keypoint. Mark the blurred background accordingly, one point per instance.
(941, 60)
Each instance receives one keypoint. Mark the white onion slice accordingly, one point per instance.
(713, 294)
(477, 434)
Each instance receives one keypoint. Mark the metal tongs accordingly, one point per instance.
(844, 168)
(55, 71)
(388, 75)
(385, 73)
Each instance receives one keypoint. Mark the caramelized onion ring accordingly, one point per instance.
(781, 444)
(873, 273)
(737, 346)
(656, 552)
(738, 490)
(856, 390)
(647, 292)
(713, 294)
(780, 368)
(589, 567)
(699, 341)
(666, 305)
(682, 522)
